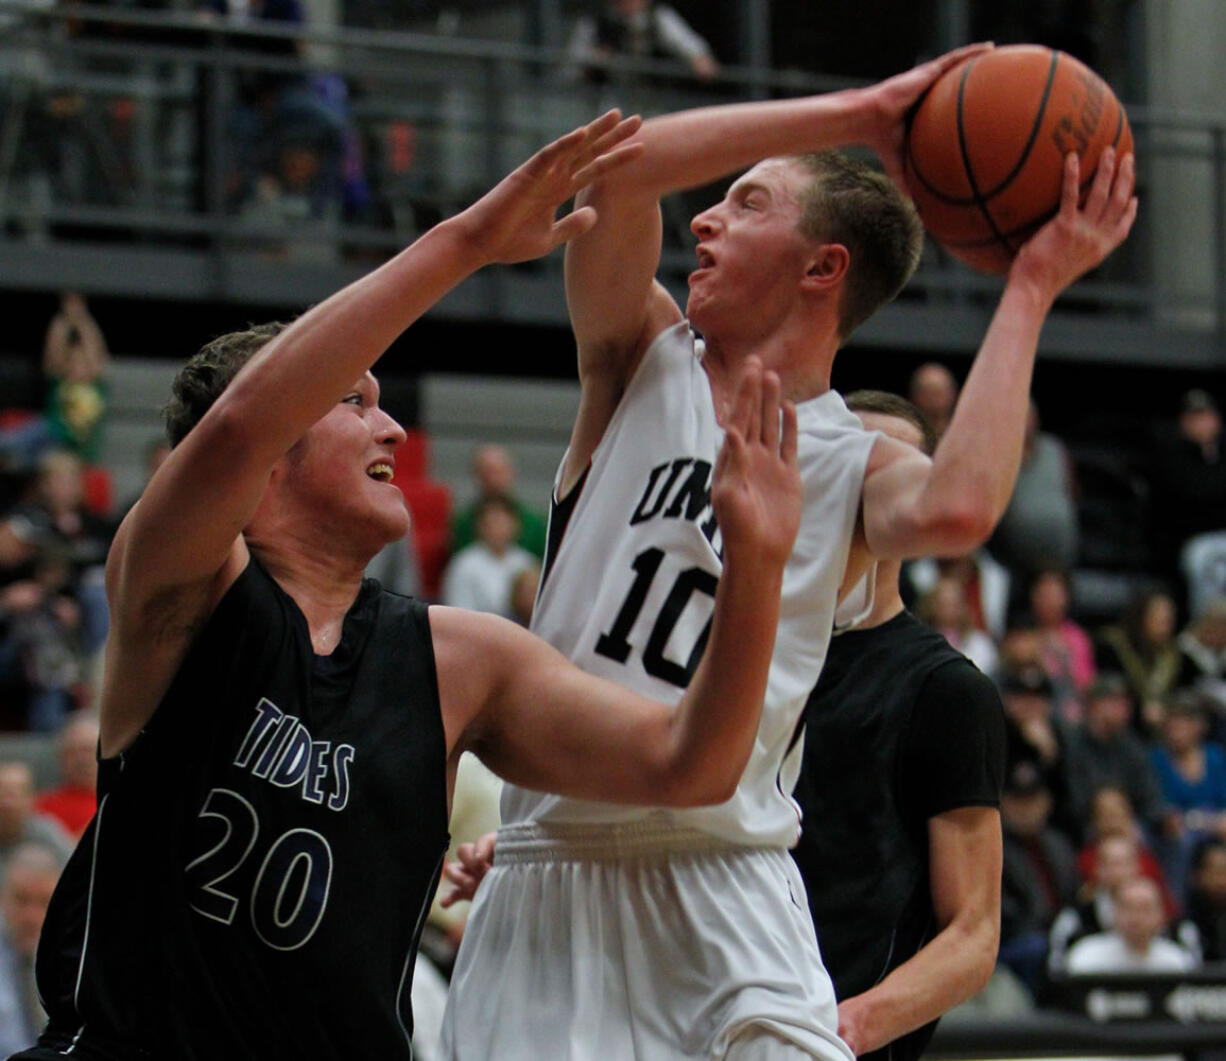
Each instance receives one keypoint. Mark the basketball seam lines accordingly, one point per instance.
(981, 199)
(978, 198)
(1035, 223)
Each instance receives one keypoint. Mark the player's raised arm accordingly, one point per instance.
(914, 508)
(616, 307)
(542, 723)
(181, 545)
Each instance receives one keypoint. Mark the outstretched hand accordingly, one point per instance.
(756, 491)
(893, 99)
(515, 220)
(466, 872)
(1079, 237)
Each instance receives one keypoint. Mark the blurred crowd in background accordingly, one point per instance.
(1114, 810)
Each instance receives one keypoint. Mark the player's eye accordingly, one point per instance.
(352, 399)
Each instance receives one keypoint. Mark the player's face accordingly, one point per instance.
(751, 253)
(341, 470)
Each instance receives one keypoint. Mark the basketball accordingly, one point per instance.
(986, 147)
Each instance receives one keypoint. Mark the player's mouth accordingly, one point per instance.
(706, 260)
(381, 471)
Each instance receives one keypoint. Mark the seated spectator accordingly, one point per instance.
(1111, 814)
(934, 391)
(1033, 735)
(288, 135)
(1203, 647)
(40, 664)
(984, 583)
(55, 522)
(480, 575)
(641, 29)
(1117, 862)
(1192, 773)
(74, 800)
(1207, 897)
(1039, 528)
(1136, 943)
(494, 474)
(19, 822)
(944, 608)
(1039, 875)
(1143, 649)
(1066, 651)
(26, 884)
(1105, 751)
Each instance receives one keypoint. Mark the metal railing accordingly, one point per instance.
(151, 134)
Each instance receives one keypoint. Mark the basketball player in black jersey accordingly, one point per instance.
(900, 842)
(279, 738)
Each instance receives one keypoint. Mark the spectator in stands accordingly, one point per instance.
(1117, 861)
(1039, 528)
(19, 822)
(480, 575)
(1202, 644)
(1188, 482)
(1111, 814)
(984, 582)
(56, 521)
(494, 475)
(1033, 735)
(289, 131)
(75, 361)
(1143, 649)
(39, 661)
(642, 29)
(1065, 650)
(1192, 773)
(26, 884)
(1135, 943)
(73, 801)
(935, 391)
(944, 608)
(1039, 874)
(1105, 751)
(1207, 898)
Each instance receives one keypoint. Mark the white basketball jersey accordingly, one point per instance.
(629, 589)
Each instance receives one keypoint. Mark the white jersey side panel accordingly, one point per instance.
(630, 590)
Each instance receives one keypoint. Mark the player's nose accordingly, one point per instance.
(388, 430)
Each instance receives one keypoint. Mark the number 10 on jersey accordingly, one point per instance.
(615, 644)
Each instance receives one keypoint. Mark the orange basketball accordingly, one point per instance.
(986, 147)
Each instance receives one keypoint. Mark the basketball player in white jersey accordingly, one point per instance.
(645, 934)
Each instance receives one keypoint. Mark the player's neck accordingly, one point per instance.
(323, 584)
(801, 362)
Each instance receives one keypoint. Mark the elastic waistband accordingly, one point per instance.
(581, 842)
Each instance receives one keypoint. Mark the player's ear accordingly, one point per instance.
(826, 267)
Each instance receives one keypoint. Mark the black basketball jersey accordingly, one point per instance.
(899, 727)
(255, 880)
